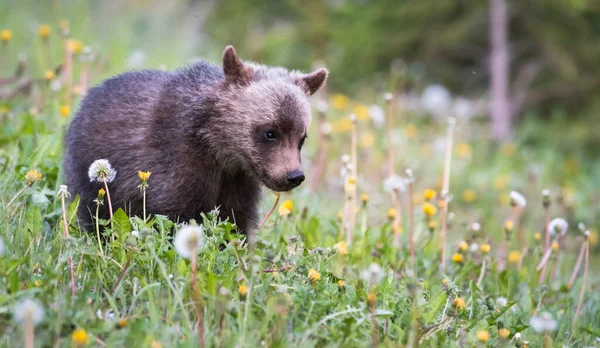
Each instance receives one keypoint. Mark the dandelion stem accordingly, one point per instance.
(583, 283)
(127, 264)
(144, 200)
(66, 225)
(98, 229)
(558, 259)
(577, 265)
(270, 211)
(482, 272)
(411, 235)
(547, 248)
(29, 333)
(196, 297)
(16, 196)
(352, 202)
(446, 187)
(110, 211)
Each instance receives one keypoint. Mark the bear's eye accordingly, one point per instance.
(302, 142)
(270, 135)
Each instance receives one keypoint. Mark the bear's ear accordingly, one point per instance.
(233, 67)
(314, 80)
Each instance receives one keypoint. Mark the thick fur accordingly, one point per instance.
(201, 132)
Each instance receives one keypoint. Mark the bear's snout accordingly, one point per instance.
(295, 178)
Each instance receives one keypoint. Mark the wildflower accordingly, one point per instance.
(509, 225)
(517, 199)
(501, 301)
(372, 299)
(429, 209)
(391, 213)
(445, 281)
(537, 236)
(350, 184)
(459, 303)
(32, 177)
(546, 198)
(432, 225)
(555, 246)
(463, 150)
(364, 198)
(5, 35)
(28, 310)
(373, 274)
(144, 175)
(464, 246)
(483, 336)
(429, 194)
(1, 246)
(485, 248)
(44, 31)
(367, 140)
(314, 275)
(243, 290)
(122, 323)
(543, 322)
(65, 110)
(475, 227)
(339, 101)
(341, 283)
(49, 74)
(286, 208)
(188, 240)
(514, 256)
(361, 112)
(457, 258)
(79, 337)
(558, 226)
(474, 247)
(101, 194)
(394, 183)
(101, 171)
(503, 333)
(75, 46)
(377, 115)
(436, 100)
(469, 196)
(341, 248)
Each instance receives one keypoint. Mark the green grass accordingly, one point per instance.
(283, 307)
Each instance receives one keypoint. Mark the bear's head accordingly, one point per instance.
(265, 118)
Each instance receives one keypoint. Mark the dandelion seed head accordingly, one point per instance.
(543, 322)
(377, 115)
(101, 171)
(394, 182)
(517, 199)
(28, 310)
(373, 274)
(558, 226)
(501, 301)
(189, 240)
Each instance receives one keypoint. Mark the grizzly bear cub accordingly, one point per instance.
(210, 137)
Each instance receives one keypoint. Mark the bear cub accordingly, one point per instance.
(210, 135)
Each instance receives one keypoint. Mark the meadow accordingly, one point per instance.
(413, 228)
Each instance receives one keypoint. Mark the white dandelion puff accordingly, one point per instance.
(189, 240)
(475, 226)
(101, 171)
(373, 274)
(28, 310)
(501, 301)
(558, 226)
(517, 199)
(394, 182)
(377, 115)
(543, 322)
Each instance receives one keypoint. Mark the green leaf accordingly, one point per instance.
(33, 218)
(182, 267)
(121, 224)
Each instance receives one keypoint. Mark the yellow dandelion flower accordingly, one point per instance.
(441, 203)
(63, 24)
(432, 225)
(3, 109)
(503, 333)
(469, 196)
(243, 290)
(341, 283)
(339, 101)
(340, 215)
(65, 110)
(286, 208)
(314, 275)
(509, 225)
(429, 194)
(538, 236)
(37, 283)
(372, 299)
(367, 140)
(463, 150)
(397, 228)
(463, 246)
(364, 198)
(32, 177)
(156, 344)
(343, 125)
(593, 237)
(458, 258)
(445, 281)
(44, 31)
(122, 323)
(429, 209)
(75, 46)
(459, 303)
(49, 74)
(555, 246)
(508, 149)
(79, 337)
(341, 248)
(514, 256)
(5, 35)
(483, 336)
(410, 130)
(350, 185)
(485, 248)
(101, 192)
(144, 176)
(391, 213)
(361, 112)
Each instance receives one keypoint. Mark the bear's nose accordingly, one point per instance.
(295, 177)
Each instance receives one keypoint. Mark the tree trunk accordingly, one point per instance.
(499, 71)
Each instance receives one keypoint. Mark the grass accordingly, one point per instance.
(303, 285)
